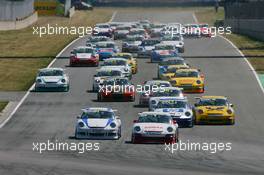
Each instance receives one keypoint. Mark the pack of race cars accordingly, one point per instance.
(115, 47)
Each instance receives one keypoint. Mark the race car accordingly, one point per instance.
(165, 92)
(131, 43)
(177, 107)
(146, 47)
(98, 123)
(92, 40)
(131, 60)
(139, 31)
(52, 79)
(120, 63)
(191, 80)
(154, 127)
(104, 73)
(166, 73)
(205, 30)
(148, 88)
(168, 66)
(106, 49)
(214, 110)
(121, 31)
(84, 56)
(116, 89)
(103, 29)
(162, 51)
(156, 30)
(176, 40)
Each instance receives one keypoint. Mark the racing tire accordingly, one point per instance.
(99, 97)
(132, 99)
(119, 133)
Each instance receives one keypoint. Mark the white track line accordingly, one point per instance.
(33, 85)
(244, 58)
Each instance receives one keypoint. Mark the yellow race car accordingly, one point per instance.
(190, 80)
(170, 70)
(131, 60)
(214, 110)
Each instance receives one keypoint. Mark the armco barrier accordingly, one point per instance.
(20, 24)
(251, 27)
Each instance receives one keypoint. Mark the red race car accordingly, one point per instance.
(205, 30)
(84, 56)
(116, 89)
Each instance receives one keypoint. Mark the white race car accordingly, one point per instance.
(154, 127)
(49, 79)
(104, 73)
(120, 63)
(98, 123)
(177, 107)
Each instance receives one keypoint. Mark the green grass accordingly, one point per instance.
(3, 105)
(249, 46)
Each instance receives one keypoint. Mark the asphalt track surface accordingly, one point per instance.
(51, 116)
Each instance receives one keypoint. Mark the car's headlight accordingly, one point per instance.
(198, 82)
(188, 113)
(97, 81)
(153, 102)
(39, 80)
(169, 129)
(63, 80)
(126, 70)
(137, 129)
(173, 82)
(229, 111)
(81, 124)
(112, 125)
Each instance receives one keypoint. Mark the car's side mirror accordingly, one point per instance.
(118, 117)
(232, 105)
(78, 117)
(174, 122)
(72, 52)
(135, 121)
(195, 104)
(95, 75)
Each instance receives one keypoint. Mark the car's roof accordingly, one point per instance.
(123, 53)
(172, 98)
(108, 68)
(153, 113)
(157, 81)
(83, 47)
(114, 59)
(188, 70)
(50, 69)
(106, 42)
(97, 109)
(172, 58)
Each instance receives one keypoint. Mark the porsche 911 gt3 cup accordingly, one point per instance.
(149, 87)
(162, 51)
(176, 40)
(49, 79)
(146, 47)
(154, 127)
(103, 29)
(177, 107)
(94, 39)
(98, 123)
(131, 43)
(104, 73)
(106, 49)
(84, 55)
(121, 31)
(120, 63)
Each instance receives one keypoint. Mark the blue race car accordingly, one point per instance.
(146, 47)
(106, 49)
(162, 51)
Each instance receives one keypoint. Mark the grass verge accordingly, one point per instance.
(250, 47)
(3, 105)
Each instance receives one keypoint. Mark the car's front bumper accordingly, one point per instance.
(96, 134)
(183, 122)
(143, 138)
(51, 87)
(87, 62)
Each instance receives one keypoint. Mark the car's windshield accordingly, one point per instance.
(105, 45)
(166, 93)
(97, 115)
(154, 119)
(125, 56)
(83, 50)
(186, 74)
(115, 63)
(170, 38)
(98, 39)
(120, 82)
(109, 73)
(137, 32)
(164, 47)
(102, 26)
(172, 62)
(123, 28)
(51, 73)
(150, 42)
(171, 104)
(212, 102)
